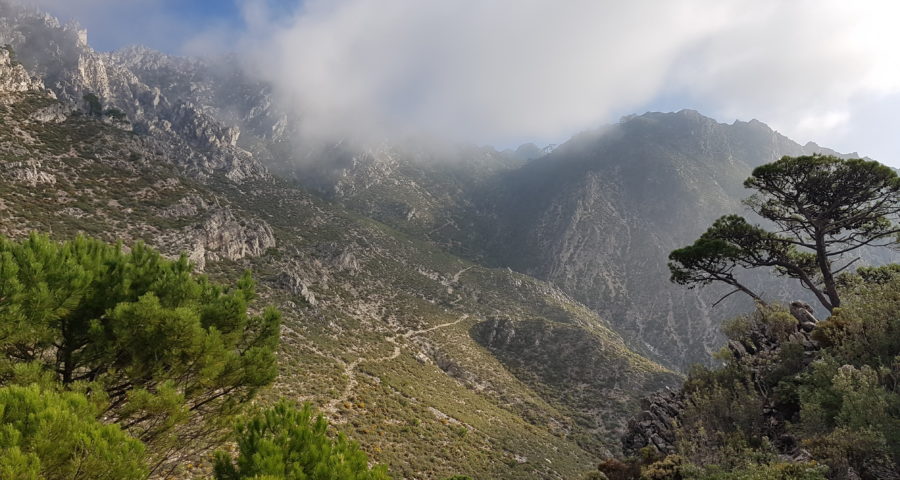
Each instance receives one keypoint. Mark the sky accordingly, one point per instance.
(503, 72)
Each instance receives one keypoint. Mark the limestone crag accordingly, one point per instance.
(225, 236)
(13, 76)
(61, 56)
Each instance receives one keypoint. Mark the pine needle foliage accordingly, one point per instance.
(170, 355)
(290, 443)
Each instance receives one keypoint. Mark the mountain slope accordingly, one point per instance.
(599, 215)
(378, 324)
(596, 217)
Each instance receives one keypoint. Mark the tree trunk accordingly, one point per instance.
(827, 274)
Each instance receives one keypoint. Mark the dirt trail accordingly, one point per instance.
(350, 368)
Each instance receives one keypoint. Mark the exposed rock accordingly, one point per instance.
(656, 424)
(189, 206)
(60, 55)
(56, 113)
(222, 235)
(804, 314)
(658, 421)
(13, 76)
(760, 339)
(226, 236)
(29, 173)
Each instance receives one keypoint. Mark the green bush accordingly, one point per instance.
(772, 471)
(289, 443)
(48, 436)
(170, 355)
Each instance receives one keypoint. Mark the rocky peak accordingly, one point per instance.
(60, 55)
(13, 76)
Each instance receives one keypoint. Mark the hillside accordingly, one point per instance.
(380, 329)
(597, 216)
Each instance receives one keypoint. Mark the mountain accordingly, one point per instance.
(436, 364)
(455, 308)
(596, 216)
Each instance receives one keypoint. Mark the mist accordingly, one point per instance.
(510, 71)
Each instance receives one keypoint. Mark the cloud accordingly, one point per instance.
(804, 67)
(484, 71)
(505, 70)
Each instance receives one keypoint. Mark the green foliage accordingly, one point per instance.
(115, 114)
(862, 450)
(618, 470)
(48, 436)
(597, 475)
(841, 403)
(675, 467)
(95, 108)
(169, 354)
(845, 406)
(770, 471)
(285, 442)
(868, 333)
(823, 207)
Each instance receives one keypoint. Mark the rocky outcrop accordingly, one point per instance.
(28, 173)
(656, 425)
(60, 55)
(763, 340)
(54, 113)
(13, 76)
(297, 279)
(223, 235)
(220, 234)
(804, 314)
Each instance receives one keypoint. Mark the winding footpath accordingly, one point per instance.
(350, 368)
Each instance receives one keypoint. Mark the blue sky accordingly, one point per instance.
(505, 71)
(164, 25)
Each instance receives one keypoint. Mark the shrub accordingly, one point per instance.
(290, 443)
(49, 436)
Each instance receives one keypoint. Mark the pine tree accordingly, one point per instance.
(289, 443)
(822, 207)
(170, 354)
(54, 436)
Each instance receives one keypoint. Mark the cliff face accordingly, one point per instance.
(13, 76)
(60, 55)
(600, 214)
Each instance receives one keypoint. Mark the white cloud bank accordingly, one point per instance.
(505, 70)
(502, 71)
